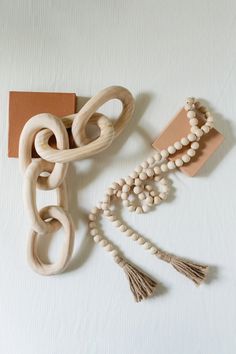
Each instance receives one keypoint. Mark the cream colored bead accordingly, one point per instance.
(191, 114)
(151, 160)
(144, 164)
(107, 212)
(199, 133)
(157, 200)
(157, 178)
(157, 156)
(97, 238)
(129, 232)
(125, 188)
(103, 242)
(123, 228)
(190, 100)
(178, 145)
(152, 193)
(147, 245)
(153, 250)
(149, 172)
(205, 129)
(179, 162)
(106, 199)
(185, 158)
(141, 240)
(115, 186)
(129, 181)
(133, 174)
(209, 124)
(137, 182)
(166, 188)
(141, 196)
(118, 194)
(121, 182)
(195, 145)
(109, 247)
(164, 167)
(92, 217)
(157, 170)
(104, 206)
(117, 223)
(110, 191)
(164, 153)
(210, 119)
(138, 169)
(93, 232)
(193, 121)
(137, 189)
(194, 130)
(146, 208)
(149, 201)
(208, 114)
(94, 210)
(163, 195)
(131, 208)
(171, 149)
(143, 176)
(92, 224)
(184, 141)
(191, 152)
(139, 210)
(124, 196)
(125, 203)
(163, 181)
(171, 165)
(148, 187)
(134, 237)
(114, 253)
(112, 218)
(187, 107)
(191, 137)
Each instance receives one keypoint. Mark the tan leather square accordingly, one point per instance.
(177, 129)
(24, 105)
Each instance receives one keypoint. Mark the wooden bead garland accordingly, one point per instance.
(138, 195)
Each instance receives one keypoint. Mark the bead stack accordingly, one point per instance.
(138, 195)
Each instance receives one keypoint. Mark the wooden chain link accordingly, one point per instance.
(54, 161)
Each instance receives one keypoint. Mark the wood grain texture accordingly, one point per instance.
(162, 51)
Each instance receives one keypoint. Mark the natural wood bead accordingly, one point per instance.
(143, 176)
(139, 210)
(171, 165)
(205, 128)
(103, 242)
(146, 208)
(134, 236)
(141, 240)
(138, 169)
(92, 224)
(110, 191)
(191, 114)
(191, 137)
(157, 178)
(117, 223)
(121, 182)
(149, 200)
(148, 187)
(124, 196)
(199, 133)
(147, 245)
(157, 200)
(178, 145)
(184, 141)
(195, 145)
(129, 232)
(125, 188)
(193, 121)
(185, 158)
(164, 167)
(114, 253)
(171, 149)
(194, 130)
(157, 170)
(190, 100)
(144, 164)
(109, 247)
(133, 174)
(151, 160)
(141, 196)
(191, 152)
(164, 153)
(118, 194)
(92, 217)
(115, 186)
(123, 228)
(179, 162)
(97, 238)
(163, 195)
(157, 156)
(137, 189)
(93, 232)
(129, 181)
(137, 182)
(152, 193)
(153, 250)
(149, 172)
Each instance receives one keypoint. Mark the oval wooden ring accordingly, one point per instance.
(109, 93)
(29, 193)
(63, 156)
(36, 263)
(33, 126)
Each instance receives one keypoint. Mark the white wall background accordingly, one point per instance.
(163, 51)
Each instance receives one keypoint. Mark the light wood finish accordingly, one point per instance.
(54, 161)
(60, 214)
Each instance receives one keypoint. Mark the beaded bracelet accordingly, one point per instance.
(139, 196)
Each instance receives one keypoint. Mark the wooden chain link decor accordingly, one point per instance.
(54, 161)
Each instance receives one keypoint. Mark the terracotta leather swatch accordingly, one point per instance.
(178, 128)
(24, 105)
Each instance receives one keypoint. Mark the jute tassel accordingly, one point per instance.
(196, 272)
(141, 285)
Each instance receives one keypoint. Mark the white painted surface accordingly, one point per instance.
(162, 51)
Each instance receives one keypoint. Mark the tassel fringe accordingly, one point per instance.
(196, 272)
(141, 285)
